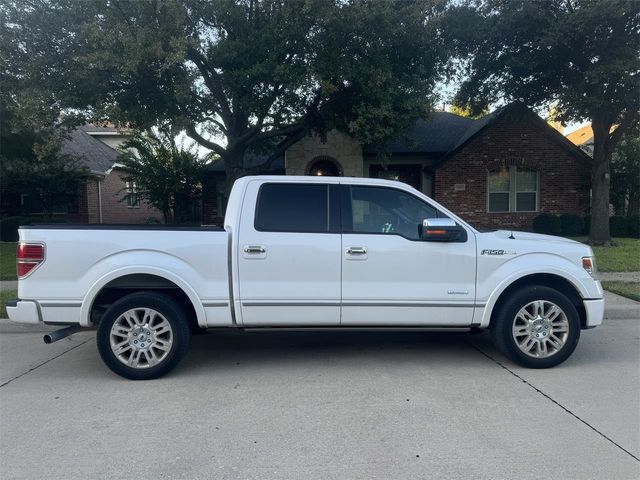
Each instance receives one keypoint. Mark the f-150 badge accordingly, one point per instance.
(496, 252)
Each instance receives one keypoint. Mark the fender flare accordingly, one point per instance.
(507, 282)
(95, 289)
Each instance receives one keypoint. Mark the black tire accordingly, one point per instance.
(503, 324)
(179, 335)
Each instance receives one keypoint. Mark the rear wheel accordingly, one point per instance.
(537, 327)
(143, 335)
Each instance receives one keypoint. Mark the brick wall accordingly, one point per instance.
(113, 209)
(513, 140)
(338, 146)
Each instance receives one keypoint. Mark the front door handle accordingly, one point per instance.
(254, 249)
(357, 251)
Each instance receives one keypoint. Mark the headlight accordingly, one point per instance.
(589, 264)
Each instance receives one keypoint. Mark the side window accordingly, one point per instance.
(291, 207)
(387, 210)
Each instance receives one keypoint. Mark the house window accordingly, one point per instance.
(133, 200)
(513, 189)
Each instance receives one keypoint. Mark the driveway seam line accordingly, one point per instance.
(554, 401)
(44, 363)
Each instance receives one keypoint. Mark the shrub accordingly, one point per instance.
(633, 226)
(618, 226)
(547, 223)
(9, 228)
(587, 224)
(571, 225)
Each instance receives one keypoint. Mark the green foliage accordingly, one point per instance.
(9, 228)
(571, 225)
(582, 56)
(31, 164)
(238, 75)
(547, 223)
(167, 175)
(633, 226)
(625, 175)
(619, 226)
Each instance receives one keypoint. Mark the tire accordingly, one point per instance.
(536, 327)
(143, 336)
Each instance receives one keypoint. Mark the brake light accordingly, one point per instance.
(28, 257)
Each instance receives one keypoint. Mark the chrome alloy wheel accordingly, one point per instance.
(540, 329)
(141, 338)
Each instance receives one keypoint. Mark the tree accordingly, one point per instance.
(582, 56)
(165, 173)
(625, 175)
(32, 164)
(237, 75)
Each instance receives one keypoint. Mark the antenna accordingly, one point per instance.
(511, 237)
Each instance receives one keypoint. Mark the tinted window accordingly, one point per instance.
(386, 210)
(290, 207)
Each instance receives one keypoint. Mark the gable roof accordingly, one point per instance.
(479, 125)
(97, 156)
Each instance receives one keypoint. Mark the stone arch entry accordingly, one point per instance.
(324, 166)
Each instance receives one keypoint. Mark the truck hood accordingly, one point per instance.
(526, 236)
(513, 244)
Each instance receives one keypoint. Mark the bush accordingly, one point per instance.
(571, 225)
(587, 224)
(547, 223)
(633, 226)
(9, 228)
(618, 226)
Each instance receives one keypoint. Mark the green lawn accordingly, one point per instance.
(623, 257)
(5, 296)
(626, 289)
(8, 261)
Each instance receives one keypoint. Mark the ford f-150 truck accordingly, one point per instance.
(306, 252)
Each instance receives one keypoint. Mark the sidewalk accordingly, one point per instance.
(8, 285)
(619, 276)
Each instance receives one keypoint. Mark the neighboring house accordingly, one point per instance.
(500, 171)
(583, 138)
(104, 196)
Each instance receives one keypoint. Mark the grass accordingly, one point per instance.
(5, 296)
(623, 257)
(8, 261)
(626, 289)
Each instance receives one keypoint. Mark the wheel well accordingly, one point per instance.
(548, 280)
(127, 284)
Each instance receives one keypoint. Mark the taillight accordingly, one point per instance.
(29, 256)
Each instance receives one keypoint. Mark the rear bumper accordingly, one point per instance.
(595, 312)
(23, 311)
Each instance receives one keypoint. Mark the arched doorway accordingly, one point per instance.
(324, 166)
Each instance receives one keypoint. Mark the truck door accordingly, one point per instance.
(289, 254)
(390, 276)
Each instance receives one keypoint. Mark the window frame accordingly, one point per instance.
(132, 192)
(513, 191)
(333, 208)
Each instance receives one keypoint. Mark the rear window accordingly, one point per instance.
(290, 207)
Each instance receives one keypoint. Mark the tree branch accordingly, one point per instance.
(193, 133)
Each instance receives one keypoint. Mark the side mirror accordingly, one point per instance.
(442, 230)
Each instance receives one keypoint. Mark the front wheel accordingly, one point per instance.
(143, 336)
(537, 327)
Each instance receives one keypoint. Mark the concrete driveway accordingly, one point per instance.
(323, 406)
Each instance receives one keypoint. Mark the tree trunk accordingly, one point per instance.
(600, 183)
(234, 169)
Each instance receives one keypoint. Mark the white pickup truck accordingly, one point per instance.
(306, 252)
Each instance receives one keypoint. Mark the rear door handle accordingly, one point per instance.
(357, 251)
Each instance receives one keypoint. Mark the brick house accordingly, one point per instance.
(501, 170)
(104, 196)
